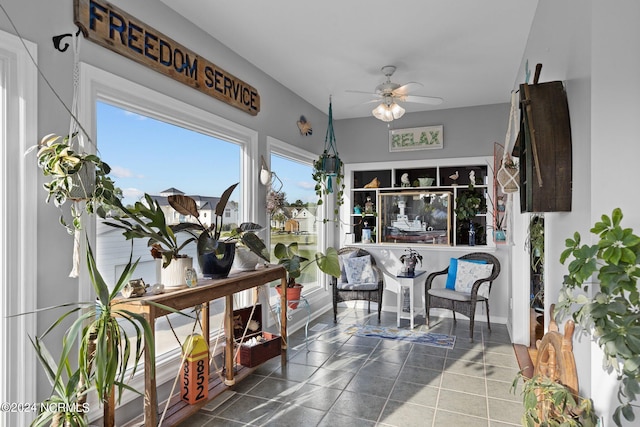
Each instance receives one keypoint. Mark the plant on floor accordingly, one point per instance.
(99, 332)
(290, 258)
(551, 404)
(611, 313)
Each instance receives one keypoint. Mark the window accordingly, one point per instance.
(145, 158)
(297, 217)
(140, 150)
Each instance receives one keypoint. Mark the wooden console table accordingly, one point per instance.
(206, 291)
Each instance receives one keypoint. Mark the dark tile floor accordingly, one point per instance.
(344, 380)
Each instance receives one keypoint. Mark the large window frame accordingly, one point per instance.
(18, 222)
(100, 85)
(283, 149)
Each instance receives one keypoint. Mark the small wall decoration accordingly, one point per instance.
(422, 138)
(304, 126)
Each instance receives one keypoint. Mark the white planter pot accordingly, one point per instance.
(245, 260)
(174, 275)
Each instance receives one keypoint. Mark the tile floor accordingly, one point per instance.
(345, 380)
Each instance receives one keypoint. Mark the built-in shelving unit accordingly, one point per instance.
(414, 202)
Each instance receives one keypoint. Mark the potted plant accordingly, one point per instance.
(147, 221)
(215, 255)
(608, 307)
(289, 257)
(327, 169)
(104, 346)
(410, 259)
(469, 203)
(550, 403)
(75, 176)
(249, 247)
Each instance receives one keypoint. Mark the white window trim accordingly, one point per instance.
(283, 149)
(18, 222)
(100, 85)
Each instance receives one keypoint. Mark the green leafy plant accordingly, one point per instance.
(75, 176)
(612, 314)
(535, 239)
(469, 203)
(147, 221)
(99, 333)
(289, 257)
(327, 176)
(548, 403)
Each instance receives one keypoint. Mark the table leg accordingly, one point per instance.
(228, 350)
(283, 321)
(399, 303)
(411, 313)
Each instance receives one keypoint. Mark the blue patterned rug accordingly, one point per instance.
(406, 335)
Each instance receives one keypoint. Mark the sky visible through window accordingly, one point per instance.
(148, 155)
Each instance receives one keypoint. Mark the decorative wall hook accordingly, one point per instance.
(58, 39)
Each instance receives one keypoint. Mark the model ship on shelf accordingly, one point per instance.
(402, 229)
(402, 222)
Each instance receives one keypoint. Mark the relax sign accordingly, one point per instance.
(114, 29)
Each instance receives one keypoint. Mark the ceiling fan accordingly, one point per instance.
(388, 93)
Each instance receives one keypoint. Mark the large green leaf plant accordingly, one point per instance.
(610, 309)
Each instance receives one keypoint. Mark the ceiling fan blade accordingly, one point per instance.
(406, 88)
(361, 91)
(431, 100)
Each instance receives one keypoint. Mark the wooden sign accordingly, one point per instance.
(118, 31)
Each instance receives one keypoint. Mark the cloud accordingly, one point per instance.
(132, 193)
(307, 185)
(135, 115)
(120, 172)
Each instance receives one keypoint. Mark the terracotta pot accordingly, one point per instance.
(293, 294)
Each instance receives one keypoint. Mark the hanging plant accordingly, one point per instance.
(328, 169)
(75, 176)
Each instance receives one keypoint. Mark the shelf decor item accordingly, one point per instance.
(329, 168)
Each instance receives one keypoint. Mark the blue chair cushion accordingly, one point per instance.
(453, 270)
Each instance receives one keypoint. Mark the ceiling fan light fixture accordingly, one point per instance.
(388, 113)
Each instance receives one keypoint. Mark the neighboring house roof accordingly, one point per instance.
(170, 191)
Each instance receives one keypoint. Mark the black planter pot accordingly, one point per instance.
(215, 266)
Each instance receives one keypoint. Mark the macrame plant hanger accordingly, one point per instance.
(509, 184)
(73, 129)
(330, 159)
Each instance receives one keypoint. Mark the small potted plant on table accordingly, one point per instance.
(409, 260)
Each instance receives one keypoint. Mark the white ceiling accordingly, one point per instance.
(465, 51)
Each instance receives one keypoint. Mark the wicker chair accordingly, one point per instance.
(343, 291)
(464, 303)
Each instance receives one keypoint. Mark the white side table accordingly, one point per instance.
(414, 285)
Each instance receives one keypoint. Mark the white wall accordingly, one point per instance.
(589, 45)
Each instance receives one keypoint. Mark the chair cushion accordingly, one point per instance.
(453, 270)
(468, 273)
(341, 258)
(449, 294)
(359, 270)
(343, 286)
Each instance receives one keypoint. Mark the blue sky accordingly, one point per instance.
(147, 155)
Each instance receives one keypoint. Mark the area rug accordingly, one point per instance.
(406, 335)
